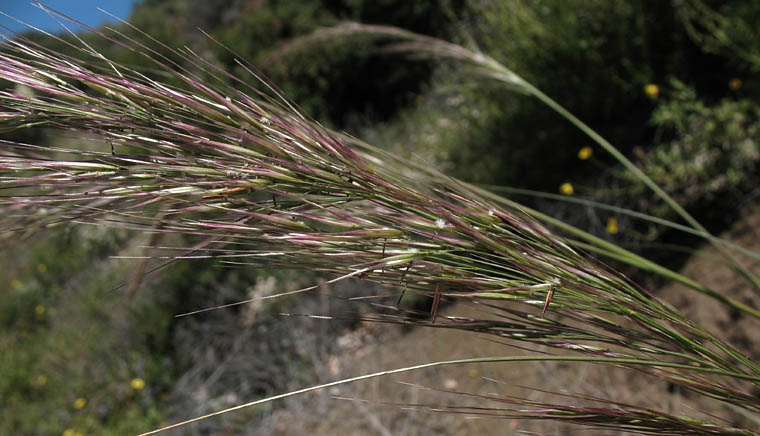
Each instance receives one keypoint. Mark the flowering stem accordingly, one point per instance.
(620, 157)
(621, 254)
(540, 358)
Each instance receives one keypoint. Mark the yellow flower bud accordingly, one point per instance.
(612, 226)
(566, 188)
(651, 90)
(40, 381)
(137, 384)
(585, 153)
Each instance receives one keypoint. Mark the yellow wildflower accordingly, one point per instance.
(39, 310)
(612, 226)
(585, 153)
(735, 83)
(40, 381)
(41, 268)
(16, 284)
(651, 90)
(137, 384)
(566, 188)
(69, 432)
(80, 403)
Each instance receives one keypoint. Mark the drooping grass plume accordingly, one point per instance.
(483, 66)
(261, 185)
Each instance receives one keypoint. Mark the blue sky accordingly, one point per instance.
(85, 11)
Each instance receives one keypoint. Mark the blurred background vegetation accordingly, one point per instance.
(91, 345)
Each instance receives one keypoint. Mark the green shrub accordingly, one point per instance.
(715, 148)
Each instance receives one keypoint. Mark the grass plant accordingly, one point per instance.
(260, 184)
(485, 67)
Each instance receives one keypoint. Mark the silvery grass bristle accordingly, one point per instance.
(260, 184)
(484, 67)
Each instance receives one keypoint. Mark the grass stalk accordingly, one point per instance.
(626, 212)
(609, 249)
(488, 67)
(259, 185)
(500, 359)
(630, 166)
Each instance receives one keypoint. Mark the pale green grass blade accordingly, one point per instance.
(502, 359)
(627, 212)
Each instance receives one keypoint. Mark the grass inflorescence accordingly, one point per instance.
(259, 184)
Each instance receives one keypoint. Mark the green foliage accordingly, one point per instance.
(594, 58)
(343, 85)
(64, 339)
(582, 53)
(715, 149)
(724, 27)
(276, 188)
